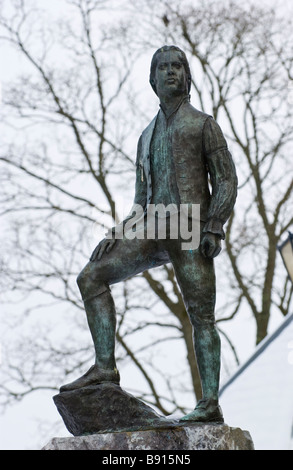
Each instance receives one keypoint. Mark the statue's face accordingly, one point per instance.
(170, 76)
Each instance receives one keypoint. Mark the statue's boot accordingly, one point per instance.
(93, 376)
(207, 410)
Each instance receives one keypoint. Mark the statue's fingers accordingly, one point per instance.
(216, 251)
(205, 248)
(95, 253)
(210, 250)
(102, 250)
(110, 246)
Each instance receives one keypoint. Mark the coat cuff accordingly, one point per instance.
(215, 226)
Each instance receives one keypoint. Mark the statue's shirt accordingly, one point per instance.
(165, 189)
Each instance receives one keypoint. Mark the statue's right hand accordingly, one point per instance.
(104, 245)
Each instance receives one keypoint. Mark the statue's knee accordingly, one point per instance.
(84, 279)
(90, 284)
(203, 316)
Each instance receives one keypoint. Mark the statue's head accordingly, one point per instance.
(183, 59)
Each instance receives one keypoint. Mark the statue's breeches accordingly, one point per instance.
(194, 273)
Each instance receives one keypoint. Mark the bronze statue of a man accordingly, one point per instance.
(180, 150)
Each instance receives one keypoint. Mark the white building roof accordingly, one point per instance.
(259, 396)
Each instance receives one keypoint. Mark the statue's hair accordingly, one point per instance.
(155, 60)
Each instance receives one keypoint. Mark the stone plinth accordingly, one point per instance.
(176, 438)
(106, 408)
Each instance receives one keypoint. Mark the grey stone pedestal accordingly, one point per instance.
(177, 438)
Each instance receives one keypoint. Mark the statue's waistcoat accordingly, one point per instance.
(187, 151)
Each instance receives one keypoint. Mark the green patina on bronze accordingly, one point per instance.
(179, 150)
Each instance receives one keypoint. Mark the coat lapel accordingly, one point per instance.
(146, 142)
